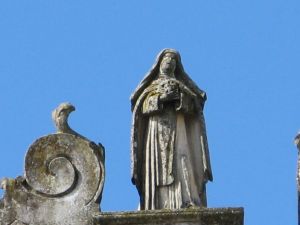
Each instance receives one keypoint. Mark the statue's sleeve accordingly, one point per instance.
(151, 104)
(186, 103)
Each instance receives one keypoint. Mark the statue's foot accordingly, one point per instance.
(189, 205)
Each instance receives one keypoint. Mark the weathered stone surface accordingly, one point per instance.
(170, 156)
(62, 184)
(194, 216)
(297, 142)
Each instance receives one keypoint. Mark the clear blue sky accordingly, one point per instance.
(244, 54)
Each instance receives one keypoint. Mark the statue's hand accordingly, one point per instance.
(170, 96)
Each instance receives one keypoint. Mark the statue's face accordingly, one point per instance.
(168, 64)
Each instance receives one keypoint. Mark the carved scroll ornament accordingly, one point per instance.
(63, 180)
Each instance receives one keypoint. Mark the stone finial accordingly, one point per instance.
(297, 143)
(60, 117)
(63, 179)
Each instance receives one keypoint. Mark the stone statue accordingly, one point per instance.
(297, 143)
(170, 157)
(63, 180)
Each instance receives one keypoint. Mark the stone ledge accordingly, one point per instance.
(195, 216)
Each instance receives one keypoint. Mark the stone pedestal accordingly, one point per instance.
(191, 216)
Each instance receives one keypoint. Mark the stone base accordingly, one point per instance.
(190, 216)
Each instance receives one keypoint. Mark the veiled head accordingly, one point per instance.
(168, 64)
(167, 60)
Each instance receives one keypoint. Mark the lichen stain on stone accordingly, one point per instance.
(51, 191)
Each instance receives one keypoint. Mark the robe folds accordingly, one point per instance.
(170, 157)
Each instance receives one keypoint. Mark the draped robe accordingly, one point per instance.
(170, 157)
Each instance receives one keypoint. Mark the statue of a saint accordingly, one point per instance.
(170, 157)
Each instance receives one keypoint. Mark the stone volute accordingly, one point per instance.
(63, 179)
